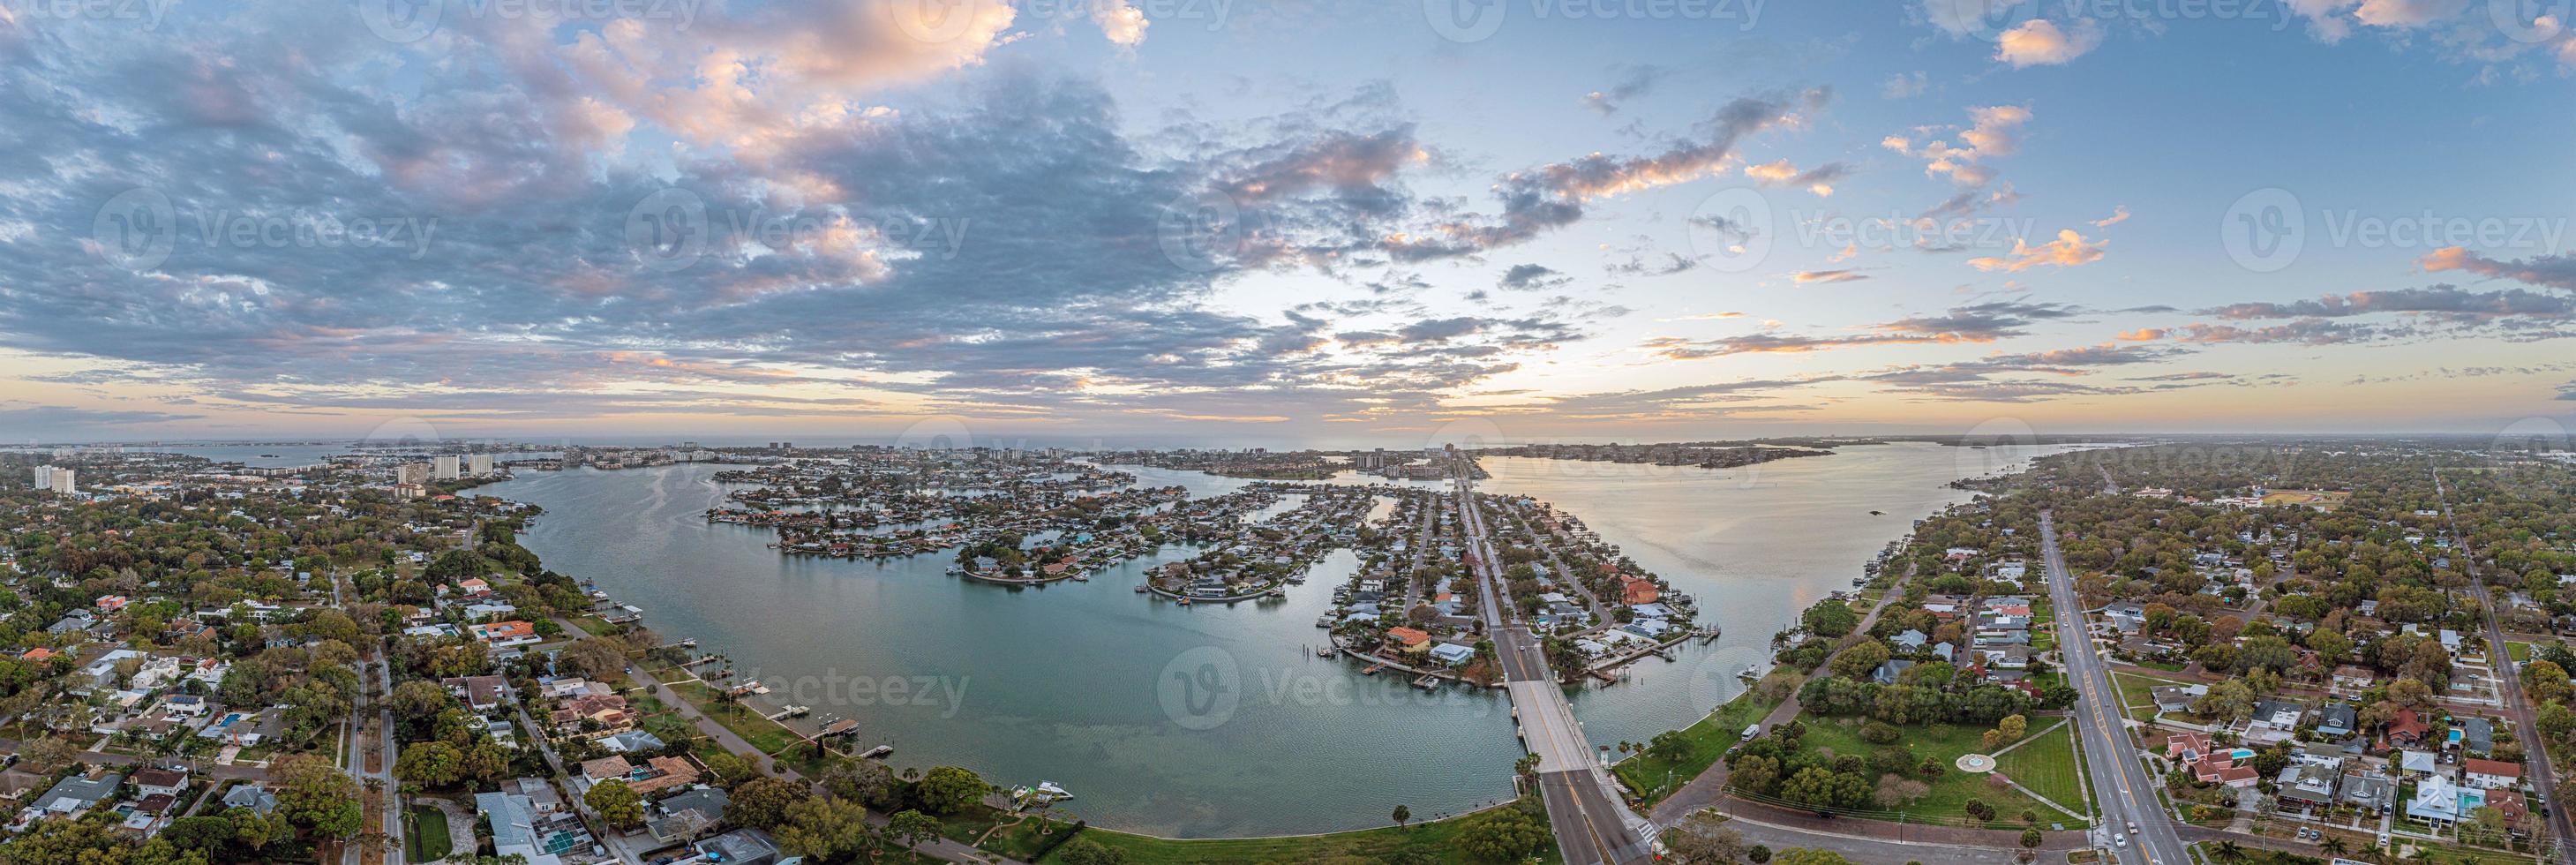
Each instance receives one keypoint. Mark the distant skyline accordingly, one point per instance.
(1331, 222)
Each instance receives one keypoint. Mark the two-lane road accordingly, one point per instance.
(2126, 792)
(1592, 826)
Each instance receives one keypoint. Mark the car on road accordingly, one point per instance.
(2133, 827)
(2119, 840)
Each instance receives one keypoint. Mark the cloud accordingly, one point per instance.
(1904, 85)
(2308, 331)
(1993, 131)
(1780, 173)
(1532, 277)
(2445, 301)
(2118, 215)
(1979, 323)
(2070, 249)
(2040, 42)
(1804, 277)
(1638, 81)
(1552, 196)
(2552, 271)
(1121, 22)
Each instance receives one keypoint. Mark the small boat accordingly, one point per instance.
(1751, 671)
(876, 752)
(1323, 621)
(1185, 601)
(1878, 513)
(689, 643)
(1140, 588)
(1324, 651)
(1081, 578)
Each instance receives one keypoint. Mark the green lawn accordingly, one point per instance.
(1709, 739)
(1438, 840)
(761, 732)
(425, 835)
(2137, 690)
(2520, 651)
(1943, 742)
(2046, 764)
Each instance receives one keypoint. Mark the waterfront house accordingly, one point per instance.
(666, 823)
(1452, 654)
(1411, 641)
(502, 635)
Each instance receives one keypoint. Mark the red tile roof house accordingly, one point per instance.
(2491, 774)
(2197, 756)
(1634, 591)
(504, 634)
(2407, 728)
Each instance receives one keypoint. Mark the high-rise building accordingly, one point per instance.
(411, 473)
(60, 480)
(479, 464)
(445, 468)
(44, 478)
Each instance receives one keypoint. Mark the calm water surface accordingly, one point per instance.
(1213, 720)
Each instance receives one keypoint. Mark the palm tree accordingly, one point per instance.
(2228, 852)
(2334, 845)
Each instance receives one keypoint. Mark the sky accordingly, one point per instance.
(1320, 222)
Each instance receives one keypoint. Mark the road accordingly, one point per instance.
(2543, 779)
(1592, 826)
(2123, 789)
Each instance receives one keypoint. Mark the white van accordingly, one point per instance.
(1750, 731)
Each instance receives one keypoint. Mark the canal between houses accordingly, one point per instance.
(1214, 720)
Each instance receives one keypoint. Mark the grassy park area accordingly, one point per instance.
(1655, 778)
(2046, 764)
(1438, 840)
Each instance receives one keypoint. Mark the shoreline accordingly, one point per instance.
(804, 726)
